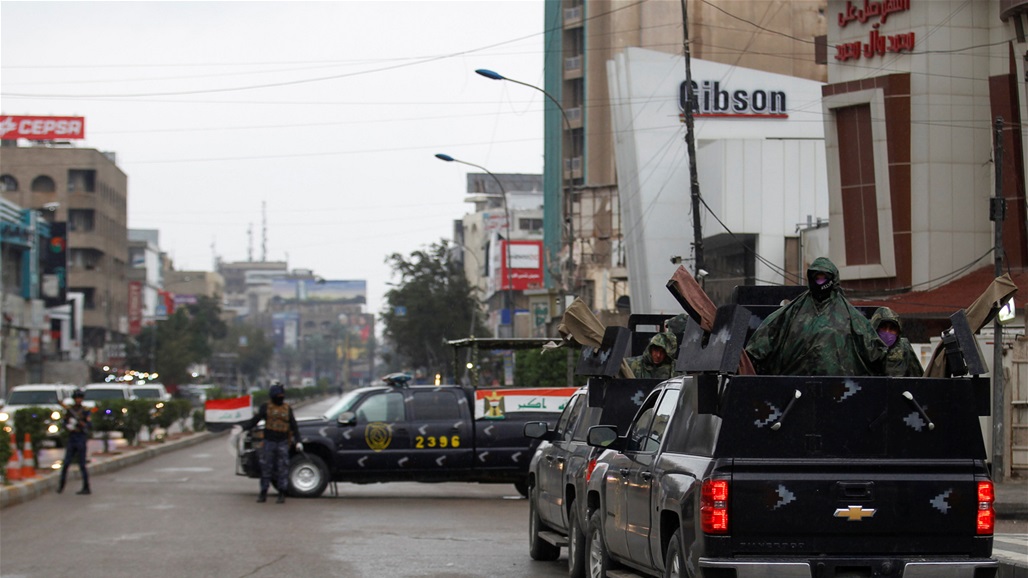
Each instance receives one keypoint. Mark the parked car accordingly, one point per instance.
(560, 469)
(46, 395)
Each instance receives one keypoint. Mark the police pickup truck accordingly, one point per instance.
(734, 476)
(416, 433)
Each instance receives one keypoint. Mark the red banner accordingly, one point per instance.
(42, 127)
(135, 307)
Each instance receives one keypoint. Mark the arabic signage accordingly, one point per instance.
(289, 289)
(877, 44)
(42, 127)
(526, 265)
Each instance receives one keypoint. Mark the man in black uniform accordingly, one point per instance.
(280, 433)
(78, 426)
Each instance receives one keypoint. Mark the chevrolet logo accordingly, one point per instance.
(854, 513)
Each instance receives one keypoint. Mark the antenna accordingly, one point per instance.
(264, 231)
(249, 243)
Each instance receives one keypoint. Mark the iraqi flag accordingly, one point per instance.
(219, 414)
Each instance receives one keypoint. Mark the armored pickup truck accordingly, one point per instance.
(722, 475)
(415, 433)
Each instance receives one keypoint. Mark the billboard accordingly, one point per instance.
(42, 127)
(135, 307)
(353, 291)
(526, 264)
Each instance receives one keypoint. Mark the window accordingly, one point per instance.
(530, 224)
(8, 183)
(43, 184)
(387, 407)
(569, 416)
(81, 181)
(648, 429)
(435, 405)
(81, 220)
(857, 177)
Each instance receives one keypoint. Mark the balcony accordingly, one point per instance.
(575, 117)
(573, 67)
(573, 17)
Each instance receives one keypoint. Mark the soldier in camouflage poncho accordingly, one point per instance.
(819, 333)
(900, 360)
(658, 361)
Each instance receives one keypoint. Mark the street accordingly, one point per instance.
(186, 513)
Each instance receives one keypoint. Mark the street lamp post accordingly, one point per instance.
(493, 75)
(507, 217)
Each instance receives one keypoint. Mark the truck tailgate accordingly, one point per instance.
(843, 508)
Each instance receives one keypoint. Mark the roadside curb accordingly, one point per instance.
(23, 491)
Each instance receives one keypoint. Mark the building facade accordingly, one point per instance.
(86, 190)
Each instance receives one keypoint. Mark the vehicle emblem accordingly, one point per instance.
(855, 513)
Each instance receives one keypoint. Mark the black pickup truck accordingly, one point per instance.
(827, 477)
(416, 433)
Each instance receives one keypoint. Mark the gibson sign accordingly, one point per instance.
(712, 99)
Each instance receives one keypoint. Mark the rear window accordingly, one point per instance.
(41, 397)
(103, 394)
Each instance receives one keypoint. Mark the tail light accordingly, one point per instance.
(986, 513)
(589, 470)
(714, 507)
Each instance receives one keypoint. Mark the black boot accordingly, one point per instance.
(263, 497)
(84, 491)
(60, 486)
(281, 499)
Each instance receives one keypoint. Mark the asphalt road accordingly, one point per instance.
(186, 513)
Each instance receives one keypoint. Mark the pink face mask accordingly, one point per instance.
(888, 337)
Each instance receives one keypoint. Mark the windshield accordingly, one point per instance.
(33, 398)
(100, 394)
(345, 403)
(148, 393)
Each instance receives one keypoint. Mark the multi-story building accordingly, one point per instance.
(145, 278)
(486, 239)
(584, 232)
(85, 189)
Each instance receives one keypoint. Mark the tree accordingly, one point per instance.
(250, 349)
(432, 302)
(184, 338)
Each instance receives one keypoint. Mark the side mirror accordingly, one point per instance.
(538, 430)
(347, 418)
(602, 436)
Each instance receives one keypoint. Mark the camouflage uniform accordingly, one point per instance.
(900, 360)
(819, 333)
(644, 367)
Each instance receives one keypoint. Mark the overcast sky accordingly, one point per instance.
(328, 112)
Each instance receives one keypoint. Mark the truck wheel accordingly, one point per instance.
(674, 563)
(576, 546)
(538, 548)
(522, 488)
(308, 476)
(598, 559)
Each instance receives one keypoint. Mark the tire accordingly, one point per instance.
(597, 558)
(538, 548)
(576, 545)
(522, 488)
(674, 562)
(308, 476)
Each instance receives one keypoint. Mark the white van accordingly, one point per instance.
(106, 391)
(155, 391)
(47, 395)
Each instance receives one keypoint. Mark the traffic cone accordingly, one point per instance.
(14, 464)
(28, 460)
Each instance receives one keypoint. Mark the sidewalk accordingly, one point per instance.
(1012, 499)
(46, 481)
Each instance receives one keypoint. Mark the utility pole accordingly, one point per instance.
(690, 143)
(997, 213)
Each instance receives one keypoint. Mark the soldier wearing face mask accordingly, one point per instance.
(280, 433)
(900, 359)
(818, 333)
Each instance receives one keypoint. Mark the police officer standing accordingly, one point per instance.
(78, 426)
(280, 433)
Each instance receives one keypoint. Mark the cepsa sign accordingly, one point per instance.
(42, 127)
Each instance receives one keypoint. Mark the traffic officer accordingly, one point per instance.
(78, 425)
(280, 433)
